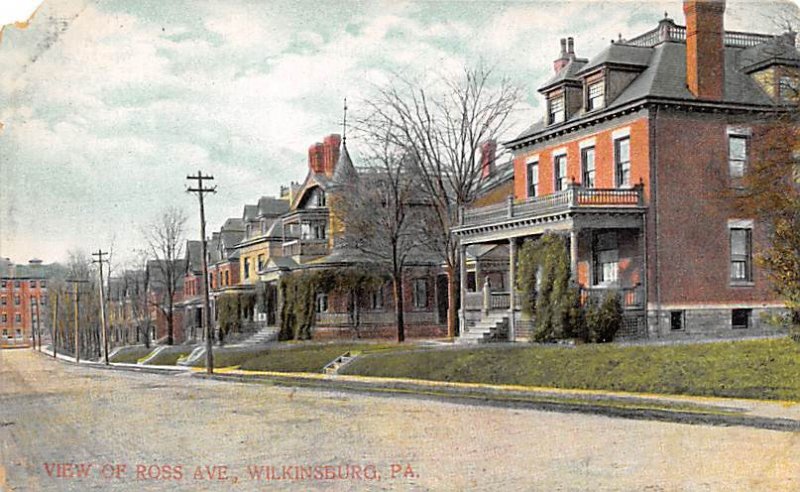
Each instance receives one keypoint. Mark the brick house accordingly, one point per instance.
(23, 302)
(309, 242)
(634, 163)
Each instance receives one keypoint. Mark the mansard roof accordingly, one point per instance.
(269, 206)
(662, 60)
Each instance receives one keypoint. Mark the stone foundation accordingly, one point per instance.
(713, 322)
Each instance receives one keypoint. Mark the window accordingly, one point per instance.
(555, 110)
(247, 268)
(587, 167)
(5, 319)
(595, 96)
(227, 277)
(18, 318)
(376, 299)
(261, 262)
(33, 284)
(4, 284)
(737, 155)
(319, 231)
(788, 89)
(16, 284)
(676, 319)
(622, 161)
(3, 301)
(42, 284)
(17, 300)
(533, 179)
(560, 171)
(320, 198)
(43, 301)
(741, 254)
(606, 258)
(740, 318)
(322, 303)
(420, 293)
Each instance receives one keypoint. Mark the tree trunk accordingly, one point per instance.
(397, 289)
(453, 287)
(170, 317)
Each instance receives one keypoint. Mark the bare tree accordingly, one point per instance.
(380, 215)
(442, 128)
(165, 241)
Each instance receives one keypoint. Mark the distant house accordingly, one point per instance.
(638, 147)
(24, 302)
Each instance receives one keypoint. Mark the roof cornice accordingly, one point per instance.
(633, 106)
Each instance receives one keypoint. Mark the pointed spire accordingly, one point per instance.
(344, 122)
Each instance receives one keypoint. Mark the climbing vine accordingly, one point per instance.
(299, 291)
(547, 291)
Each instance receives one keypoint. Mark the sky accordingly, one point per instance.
(107, 105)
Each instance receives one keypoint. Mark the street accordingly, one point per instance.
(75, 428)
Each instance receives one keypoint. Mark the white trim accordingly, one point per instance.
(531, 159)
(739, 130)
(621, 133)
(589, 142)
(740, 223)
(559, 152)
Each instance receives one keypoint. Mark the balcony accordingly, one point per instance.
(306, 247)
(574, 207)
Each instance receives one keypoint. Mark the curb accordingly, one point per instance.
(629, 406)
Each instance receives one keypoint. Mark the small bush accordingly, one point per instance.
(603, 319)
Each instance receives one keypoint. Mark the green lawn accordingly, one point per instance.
(131, 355)
(768, 369)
(293, 357)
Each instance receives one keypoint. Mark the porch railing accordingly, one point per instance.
(374, 318)
(630, 297)
(311, 247)
(573, 197)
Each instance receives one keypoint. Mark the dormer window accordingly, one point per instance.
(320, 198)
(596, 95)
(788, 89)
(555, 110)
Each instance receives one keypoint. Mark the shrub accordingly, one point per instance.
(603, 319)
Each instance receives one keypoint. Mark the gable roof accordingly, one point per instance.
(269, 206)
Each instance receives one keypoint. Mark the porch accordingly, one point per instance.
(604, 229)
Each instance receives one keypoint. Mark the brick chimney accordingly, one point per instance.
(705, 53)
(488, 157)
(563, 57)
(331, 152)
(315, 158)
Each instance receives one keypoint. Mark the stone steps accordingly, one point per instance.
(337, 363)
(489, 328)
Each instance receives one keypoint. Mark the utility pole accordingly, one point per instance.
(38, 323)
(55, 326)
(201, 190)
(76, 299)
(101, 259)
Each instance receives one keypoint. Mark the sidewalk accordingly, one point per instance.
(762, 414)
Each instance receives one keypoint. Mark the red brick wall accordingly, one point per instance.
(604, 159)
(26, 294)
(690, 248)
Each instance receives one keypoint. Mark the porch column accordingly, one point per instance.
(462, 270)
(573, 253)
(512, 282)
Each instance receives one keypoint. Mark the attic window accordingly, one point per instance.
(595, 96)
(555, 110)
(788, 89)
